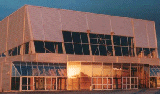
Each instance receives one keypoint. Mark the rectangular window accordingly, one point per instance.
(76, 37)
(78, 49)
(116, 40)
(85, 49)
(118, 51)
(39, 46)
(26, 48)
(69, 48)
(95, 49)
(49, 47)
(67, 36)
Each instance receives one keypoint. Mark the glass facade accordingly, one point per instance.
(83, 76)
(38, 76)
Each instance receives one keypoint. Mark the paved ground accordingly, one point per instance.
(139, 91)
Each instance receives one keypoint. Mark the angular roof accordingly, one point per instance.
(46, 24)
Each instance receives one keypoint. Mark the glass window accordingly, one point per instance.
(69, 48)
(78, 49)
(26, 47)
(109, 51)
(76, 37)
(107, 69)
(93, 41)
(125, 51)
(39, 46)
(14, 51)
(118, 51)
(67, 36)
(124, 41)
(102, 49)
(85, 49)
(60, 48)
(84, 37)
(116, 40)
(15, 83)
(95, 49)
(50, 47)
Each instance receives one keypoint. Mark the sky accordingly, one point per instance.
(140, 9)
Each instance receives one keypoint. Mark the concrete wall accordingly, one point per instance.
(6, 76)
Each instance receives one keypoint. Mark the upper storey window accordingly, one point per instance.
(123, 46)
(101, 44)
(146, 52)
(76, 43)
(48, 47)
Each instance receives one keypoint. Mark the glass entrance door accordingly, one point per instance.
(39, 83)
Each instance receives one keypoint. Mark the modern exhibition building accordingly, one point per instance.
(48, 49)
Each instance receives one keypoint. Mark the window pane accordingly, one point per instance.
(108, 42)
(49, 47)
(69, 48)
(39, 46)
(138, 51)
(101, 41)
(93, 41)
(108, 37)
(78, 49)
(129, 41)
(67, 36)
(146, 52)
(85, 49)
(102, 49)
(19, 50)
(76, 37)
(125, 51)
(124, 41)
(84, 37)
(92, 35)
(118, 51)
(14, 51)
(109, 51)
(116, 40)
(95, 49)
(60, 48)
(26, 48)
(24, 70)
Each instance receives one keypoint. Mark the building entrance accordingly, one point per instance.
(39, 83)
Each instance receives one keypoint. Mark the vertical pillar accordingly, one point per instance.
(88, 31)
(112, 33)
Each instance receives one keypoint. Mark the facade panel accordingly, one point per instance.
(6, 82)
(122, 26)
(27, 32)
(52, 24)
(73, 21)
(35, 15)
(15, 29)
(151, 34)
(140, 33)
(99, 24)
(3, 35)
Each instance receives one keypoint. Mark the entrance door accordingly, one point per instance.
(39, 83)
(129, 82)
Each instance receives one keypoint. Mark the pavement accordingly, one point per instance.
(136, 91)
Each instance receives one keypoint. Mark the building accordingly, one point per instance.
(55, 49)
